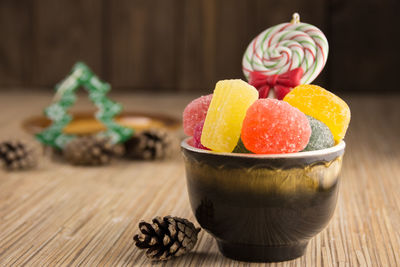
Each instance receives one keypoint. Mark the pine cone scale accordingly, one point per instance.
(166, 237)
(152, 251)
(172, 229)
(166, 240)
(141, 242)
(174, 247)
(151, 144)
(90, 150)
(16, 154)
(164, 256)
(181, 236)
(146, 228)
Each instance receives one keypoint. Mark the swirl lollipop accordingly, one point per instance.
(284, 56)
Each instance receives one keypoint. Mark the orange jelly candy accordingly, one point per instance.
(272, 126)
(322, 105)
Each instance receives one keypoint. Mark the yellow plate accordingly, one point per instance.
(84, 123)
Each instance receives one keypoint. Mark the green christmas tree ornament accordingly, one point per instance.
(65, 97)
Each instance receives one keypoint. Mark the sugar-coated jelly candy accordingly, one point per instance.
(224, 119)
(194, 113)
(322, 105)
(197, 135)
(273, 127)
(321, 137)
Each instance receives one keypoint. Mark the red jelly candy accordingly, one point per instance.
(274, 127)
(195, 112)
(197, 135)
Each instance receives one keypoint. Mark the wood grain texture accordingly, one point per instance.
(145, 38)
(185, 45)
(197, 58)
(65, 31)
(359, 57)
(63, 215)
(16, 34)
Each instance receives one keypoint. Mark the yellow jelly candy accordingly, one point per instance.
(324, 106)
(224, 119)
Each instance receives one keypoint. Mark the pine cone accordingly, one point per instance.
(151, 144)
(17, 155)
(166, 237)
(91, 150)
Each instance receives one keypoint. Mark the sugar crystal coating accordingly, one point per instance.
(197, 135)
(194, 113)
(322, 105)
(224, 119)
(321, 137)
(273, 127)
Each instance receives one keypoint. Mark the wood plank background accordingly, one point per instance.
(187, 45)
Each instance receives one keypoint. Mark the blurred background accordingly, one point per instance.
(187, 45)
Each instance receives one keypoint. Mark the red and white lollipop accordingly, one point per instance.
(284, 56)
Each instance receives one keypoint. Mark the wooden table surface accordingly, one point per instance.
(58, 214)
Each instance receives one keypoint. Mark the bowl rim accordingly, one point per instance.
(305, 154)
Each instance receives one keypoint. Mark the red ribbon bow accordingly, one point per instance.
(281, 83)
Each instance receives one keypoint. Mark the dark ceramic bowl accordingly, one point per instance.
(263, 207)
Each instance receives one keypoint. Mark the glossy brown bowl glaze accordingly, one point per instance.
(263, 207)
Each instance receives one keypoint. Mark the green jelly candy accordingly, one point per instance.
(240, 148)
(321, 137)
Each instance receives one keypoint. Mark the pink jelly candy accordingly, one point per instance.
(273, 127)
(194, 113)
(197, 135)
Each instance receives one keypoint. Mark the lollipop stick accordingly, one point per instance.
(295, 18)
